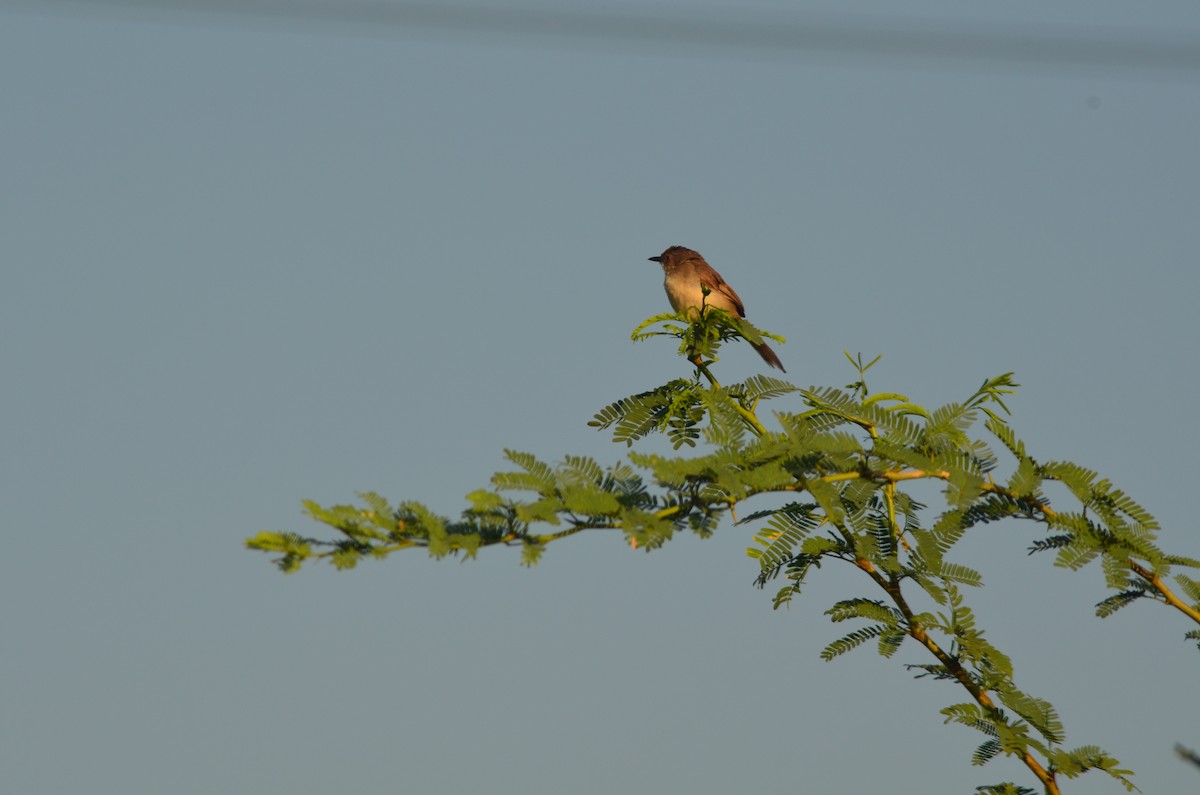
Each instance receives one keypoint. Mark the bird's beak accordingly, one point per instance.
(654, 259)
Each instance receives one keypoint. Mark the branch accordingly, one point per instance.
(1169, 596)
(955, 668)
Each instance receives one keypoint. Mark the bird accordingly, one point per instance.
(685, 274)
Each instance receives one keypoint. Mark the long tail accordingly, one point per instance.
(769, 356)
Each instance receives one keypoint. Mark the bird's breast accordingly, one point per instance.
(687, 294)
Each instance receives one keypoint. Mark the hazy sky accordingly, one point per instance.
(253, 260)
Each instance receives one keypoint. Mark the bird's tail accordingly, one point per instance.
(769, 356)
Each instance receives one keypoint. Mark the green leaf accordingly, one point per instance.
(1026, 480)
(1005, 788)
(869, 609)
(764, 386)
(986, 752)
(483, 501)
(531, 552)
(591, 502)
(267, 542)
(789, 526)
(1189, 586)
(851, 641)
(1039, 712)
(954, 572)
(820, 545)
(671, 330)
(651, 412)
(968, 714)
(1112, 604)
(828, 498)
(1079, 760)
(346, 556)
(890, 642)
(544, 510)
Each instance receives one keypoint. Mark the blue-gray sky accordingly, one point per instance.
(251, 260)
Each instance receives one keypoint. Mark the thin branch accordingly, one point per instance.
(952, 665)
(1155, 582)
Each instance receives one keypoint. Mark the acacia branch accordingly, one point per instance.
(1031, 503)
(1171, 598)
(954, 667)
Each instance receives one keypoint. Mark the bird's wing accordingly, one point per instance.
(718, 286)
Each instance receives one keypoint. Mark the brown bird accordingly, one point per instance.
(684, 272)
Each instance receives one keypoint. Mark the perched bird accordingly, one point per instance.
(685, 271)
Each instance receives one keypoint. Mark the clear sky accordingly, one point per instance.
(252, 260)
